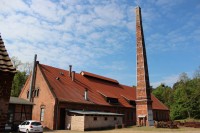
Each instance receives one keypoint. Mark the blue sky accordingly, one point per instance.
(99, 36)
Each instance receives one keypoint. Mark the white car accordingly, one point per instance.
(31, 126)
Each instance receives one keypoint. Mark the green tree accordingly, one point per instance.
(197, 73)
(164, 94)
(183, 98)
(18, 82)
(186, 98)
(183, 77)
(20, 77)
(16, 62)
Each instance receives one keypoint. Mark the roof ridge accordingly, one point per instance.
(84, 73)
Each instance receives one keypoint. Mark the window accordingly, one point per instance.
(131, 102)
(37, 92)
(27, 94)
(105, 118)
(24, 123)
(33, 93)
(42, 114)
(95, 118)
(115, 118)
(112, 100)
(27, 123)
(36, 123)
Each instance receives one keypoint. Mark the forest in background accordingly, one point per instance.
(23, 70)
(183, 98)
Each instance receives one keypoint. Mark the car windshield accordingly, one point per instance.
(23, 123)
(36, 123)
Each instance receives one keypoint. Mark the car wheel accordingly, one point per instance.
(27, 131)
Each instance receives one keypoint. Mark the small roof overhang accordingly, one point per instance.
(81, 112)
(141, 116)
(17, 100)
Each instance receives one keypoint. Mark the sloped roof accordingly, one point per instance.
(81, 112)
(5, 62)
(98, 88)
(17, 100)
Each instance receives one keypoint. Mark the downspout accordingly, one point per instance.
(57, 101)
(32, 79)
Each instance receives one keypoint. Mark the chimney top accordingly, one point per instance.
(86, 94)
(70, 70)
(73, 75)
(137, 7)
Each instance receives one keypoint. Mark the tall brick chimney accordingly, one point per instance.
(7, 72)
(143, 91)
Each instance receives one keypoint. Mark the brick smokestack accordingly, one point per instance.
(143, 90)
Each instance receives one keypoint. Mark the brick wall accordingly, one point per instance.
(129, 117)
(82, 123)
(77, 123)
(5, 90)
(161, 115)
(102, 122)
(44, 100)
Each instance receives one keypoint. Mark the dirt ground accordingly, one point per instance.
(137, 130)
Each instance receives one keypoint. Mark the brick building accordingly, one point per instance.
(7, 72)
(55, 91)
(89, 120)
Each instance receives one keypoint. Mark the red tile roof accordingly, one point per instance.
(5, 62)
(98, 88)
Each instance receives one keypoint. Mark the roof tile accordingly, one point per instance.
(5, 62)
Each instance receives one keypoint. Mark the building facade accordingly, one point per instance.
(89, 120)
(57, 90)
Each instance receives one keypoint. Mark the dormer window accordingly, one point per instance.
(111, 99)
(130, 100)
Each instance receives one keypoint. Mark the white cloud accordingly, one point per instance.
(114, 66)
(109, 12)
(46, 9)
(8, 7)
(169, 80)
(85, 32)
